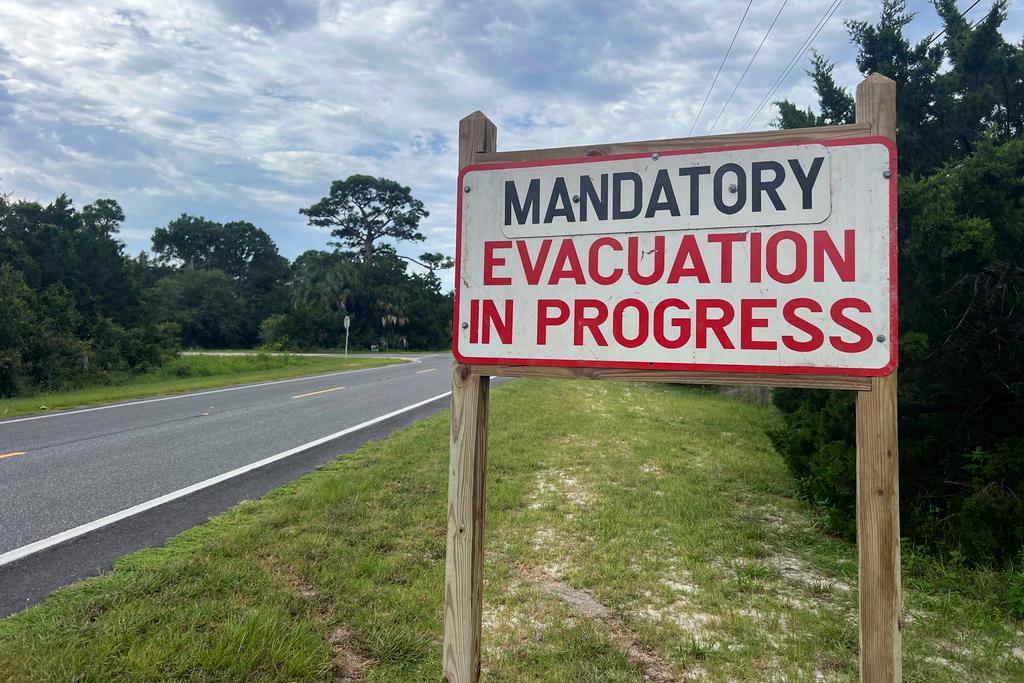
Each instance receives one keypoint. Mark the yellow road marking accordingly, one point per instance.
(314, 393)
(420, 372)
(11, 454)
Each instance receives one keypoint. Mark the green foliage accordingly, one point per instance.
(70, 301)
(961, 262)
(1015, 592)
(387, 305)
(75, 310)
(836, 104)
(256, 275)
(203, 304)
(362, 210)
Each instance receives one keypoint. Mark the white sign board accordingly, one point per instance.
(775, 258)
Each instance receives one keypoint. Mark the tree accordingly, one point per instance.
(104, 215)
(961, 250)
(189, 240)
(437, 261)
(239, 249)
(386, 304)
(362, 210)
(71, 308)
(204, 305)
(836, 104)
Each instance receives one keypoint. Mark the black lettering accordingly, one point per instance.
(617, 180)
(559, 195)
(662, 186)
(741, 188)
(806, 180)
(588, 194)
(522, 210)
(759, 185)
(695, 172)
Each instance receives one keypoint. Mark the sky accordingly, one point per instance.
(247, 109)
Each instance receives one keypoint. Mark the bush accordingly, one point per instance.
(70, 304)
(961, 389)
(959, 124)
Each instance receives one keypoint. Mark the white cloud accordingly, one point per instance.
(247, 110)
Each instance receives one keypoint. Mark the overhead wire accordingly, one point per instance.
(808, 41)
(747, 68)
(719, 72)
(962, 14)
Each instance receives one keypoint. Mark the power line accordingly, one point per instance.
(962, 14)
(808, 41)
(829, 11)
(752, 58)
(715, 80)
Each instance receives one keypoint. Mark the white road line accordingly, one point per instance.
(197, 393)
(420, 372)
(25, 550)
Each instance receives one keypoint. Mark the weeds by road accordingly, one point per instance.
(634, 533)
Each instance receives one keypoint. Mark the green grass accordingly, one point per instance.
(666, 506)
(189, 373)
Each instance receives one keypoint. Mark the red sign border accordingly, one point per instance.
(694, 367)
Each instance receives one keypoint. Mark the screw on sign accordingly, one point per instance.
(766, 261)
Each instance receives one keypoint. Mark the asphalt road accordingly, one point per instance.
(79, 466)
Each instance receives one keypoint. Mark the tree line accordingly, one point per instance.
(960, 117)
(76, 308)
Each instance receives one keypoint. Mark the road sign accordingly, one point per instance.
(347, 322)
(755, 257)
(771, 258)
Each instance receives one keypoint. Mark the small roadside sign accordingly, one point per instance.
(774, 258)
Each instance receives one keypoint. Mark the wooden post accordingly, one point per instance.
(878, 509)
(464, 560)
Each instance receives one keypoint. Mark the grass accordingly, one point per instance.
(188, 373)
(631, 531)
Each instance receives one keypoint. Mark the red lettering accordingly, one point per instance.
(844, 264)
(839, 317)
(567, 265)
(642, 324)
(544, 320)
(755, 257)
(532, 269)
(595, 275)
(474, 321)
(634, 256)
(680, 323)
(817, 337)
(491, 261)
(727, 240)
(716, 325)
(592, 323)
(491, 318)
(688, 249)
(748, 322)
(799, 262)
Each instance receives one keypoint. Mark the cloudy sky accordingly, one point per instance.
(246, 109)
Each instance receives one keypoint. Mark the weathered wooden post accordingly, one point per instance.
(464, 559)
(878, 488)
